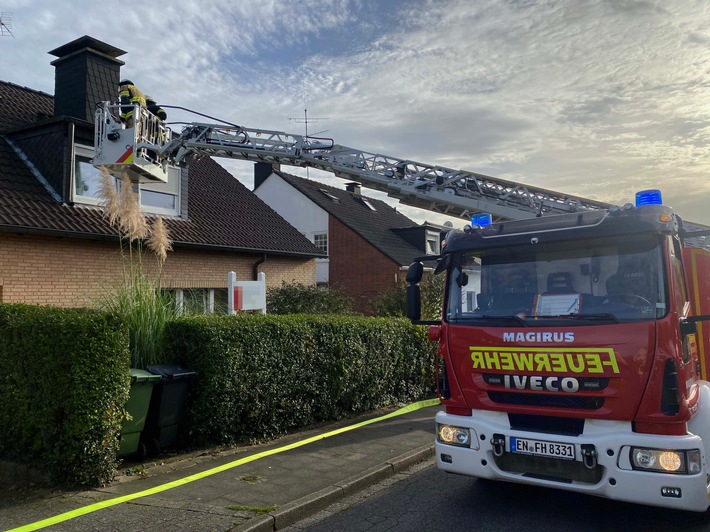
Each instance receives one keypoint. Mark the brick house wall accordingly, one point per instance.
(358, 268)
(72, 272)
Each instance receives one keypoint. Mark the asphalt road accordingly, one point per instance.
(425, 499)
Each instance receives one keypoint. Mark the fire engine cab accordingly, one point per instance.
(572, 354)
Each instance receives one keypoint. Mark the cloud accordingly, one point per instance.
(591, 98)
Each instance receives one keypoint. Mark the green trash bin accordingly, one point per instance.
(142, 383)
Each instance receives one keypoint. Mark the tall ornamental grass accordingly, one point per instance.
(136, 296)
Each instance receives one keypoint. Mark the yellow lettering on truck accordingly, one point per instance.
(545, 359)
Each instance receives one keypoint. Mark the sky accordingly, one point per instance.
(595, 98)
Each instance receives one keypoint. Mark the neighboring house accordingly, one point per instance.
(370, 244)
(55, 245)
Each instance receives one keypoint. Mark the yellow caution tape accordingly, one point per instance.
(197, 476)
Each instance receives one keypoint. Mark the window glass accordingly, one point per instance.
(321, 241)
(432, 243)
(613, 278)
(161, 200)
(220, 301)
(195, 301)
(87, 178)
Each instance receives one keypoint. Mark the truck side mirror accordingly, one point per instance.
(414, 298)
(414, 302)
(415, 272)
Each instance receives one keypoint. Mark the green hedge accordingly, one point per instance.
(260, 376)
(64, 379)
(63, 382)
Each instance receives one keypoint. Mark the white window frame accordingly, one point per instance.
(432, 237)
(323, 245)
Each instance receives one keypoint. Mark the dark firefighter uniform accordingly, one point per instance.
(129, 95)
(154, 108)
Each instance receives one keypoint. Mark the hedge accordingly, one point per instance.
(260, 376)
(63, 382)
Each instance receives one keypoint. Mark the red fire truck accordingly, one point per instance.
(572, 354)
(572, 343)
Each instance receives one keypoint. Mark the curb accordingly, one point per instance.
(304, 507)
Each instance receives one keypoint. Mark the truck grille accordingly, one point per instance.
(566, 471)
(546, 400)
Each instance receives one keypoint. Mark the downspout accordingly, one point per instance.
(255, 268)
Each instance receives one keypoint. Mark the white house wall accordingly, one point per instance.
(297, 210)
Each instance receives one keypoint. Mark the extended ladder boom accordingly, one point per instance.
(436, 188)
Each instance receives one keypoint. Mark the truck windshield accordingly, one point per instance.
(585, 282)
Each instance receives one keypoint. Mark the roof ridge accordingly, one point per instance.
(340, 191)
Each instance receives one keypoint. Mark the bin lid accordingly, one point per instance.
(142, 376)
(172, 371)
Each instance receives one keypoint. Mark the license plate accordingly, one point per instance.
(549, 449)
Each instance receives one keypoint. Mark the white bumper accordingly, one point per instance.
(612, 441)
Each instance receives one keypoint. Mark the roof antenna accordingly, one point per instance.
(306, 120)
(6, 25)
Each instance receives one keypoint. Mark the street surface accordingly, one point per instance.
(426, 499)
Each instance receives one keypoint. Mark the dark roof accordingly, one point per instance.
(20, 106)
(376, 226)
(223, 213)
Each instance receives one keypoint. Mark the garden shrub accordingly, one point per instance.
(63, 382)
(302, 299)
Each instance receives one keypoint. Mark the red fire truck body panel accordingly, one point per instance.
(598, 372)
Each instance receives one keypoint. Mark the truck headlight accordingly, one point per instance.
(666, 460)
(452, 435)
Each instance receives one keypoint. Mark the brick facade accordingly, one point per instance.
(71, 272)
(358, 268)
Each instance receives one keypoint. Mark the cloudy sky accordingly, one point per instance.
(589, 97)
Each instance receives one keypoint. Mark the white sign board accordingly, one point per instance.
(246, 295)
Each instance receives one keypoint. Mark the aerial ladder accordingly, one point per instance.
(144, 152)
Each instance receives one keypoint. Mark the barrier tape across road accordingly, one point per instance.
(197, 476)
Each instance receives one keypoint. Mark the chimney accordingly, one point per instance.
(262, 171)
(354, 188)
(86, 72)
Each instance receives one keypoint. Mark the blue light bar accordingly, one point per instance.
(481, 219)
(649, 197)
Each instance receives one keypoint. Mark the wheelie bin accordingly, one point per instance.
(142, 383)
(167, 407)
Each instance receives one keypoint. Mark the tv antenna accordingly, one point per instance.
(307, 120)
(6, 25)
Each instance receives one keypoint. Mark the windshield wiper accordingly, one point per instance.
(600, 316)
(522, 321)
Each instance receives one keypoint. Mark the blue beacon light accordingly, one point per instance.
(649, 197)
(481, 219)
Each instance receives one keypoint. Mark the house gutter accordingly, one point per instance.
(255, 268)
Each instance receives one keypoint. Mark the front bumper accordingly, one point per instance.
(612, 476)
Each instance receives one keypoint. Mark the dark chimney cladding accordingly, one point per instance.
(262, 171)
(86, 72)
(354, 188)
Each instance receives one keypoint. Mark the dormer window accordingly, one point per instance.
(155, 198)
